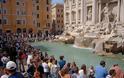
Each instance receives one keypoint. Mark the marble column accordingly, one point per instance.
(100, 8)
(123, 10)
(70, 12)
(84, 11)
(94, 12)
(118, 14)
(76, 16)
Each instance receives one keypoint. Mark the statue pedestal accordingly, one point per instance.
(89, 23)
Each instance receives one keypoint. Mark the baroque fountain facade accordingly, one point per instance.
(94, 21)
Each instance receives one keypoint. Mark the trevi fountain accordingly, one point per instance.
(94, 23)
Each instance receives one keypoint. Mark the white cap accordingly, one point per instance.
(11, 65)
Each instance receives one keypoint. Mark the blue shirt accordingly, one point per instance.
(16, 75)
(100, 72)
(62, 63)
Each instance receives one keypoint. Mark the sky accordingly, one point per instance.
(57, 1)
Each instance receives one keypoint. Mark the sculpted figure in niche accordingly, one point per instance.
(105, 12)
(89, 15)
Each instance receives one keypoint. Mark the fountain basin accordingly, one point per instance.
(80, 56)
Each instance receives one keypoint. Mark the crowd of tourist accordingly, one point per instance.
(18, 59)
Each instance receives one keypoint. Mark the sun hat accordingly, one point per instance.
(11, 65)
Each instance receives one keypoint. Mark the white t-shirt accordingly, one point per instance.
(81, 73)
(54, 69)
(108, 76)
(45, 67)
(29, 59)
(4, 76)
(76, 75)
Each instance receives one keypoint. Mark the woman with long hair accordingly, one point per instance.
(83, 71)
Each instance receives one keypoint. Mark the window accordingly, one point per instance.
(17, 3)
(48, 24)
(37, 7)
(47, 16)
(4, 11)
(0, 21)
(62, 16)
(62, 21)
(62, 10)
(4, 21)
(34, 22)
(17, 12)
(23, 4)
(22, 13)
(48, 2)
(23, 21)
(37, 15)
(38, 24)
(58, 15)
(37, 1)
(58, 21)
(18, 21)
(47, 8)
(0, 10)
(58, 10)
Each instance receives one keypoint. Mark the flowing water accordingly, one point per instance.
(79, 55)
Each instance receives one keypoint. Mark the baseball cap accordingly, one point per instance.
(11, 65)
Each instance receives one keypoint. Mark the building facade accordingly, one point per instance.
(88, 14)
(58, 17)
(25, 15)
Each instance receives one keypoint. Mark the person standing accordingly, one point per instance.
(83, 71)
(118, 71)
(76, 74)
(46, 68)
(62, 62)
(54, 69)
(101, 71)
(36, 70)
(91, 72)
(11, 70)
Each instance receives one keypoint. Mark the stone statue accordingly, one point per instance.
(105, 12)
(89, 15)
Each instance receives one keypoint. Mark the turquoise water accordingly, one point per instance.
(80, 56)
